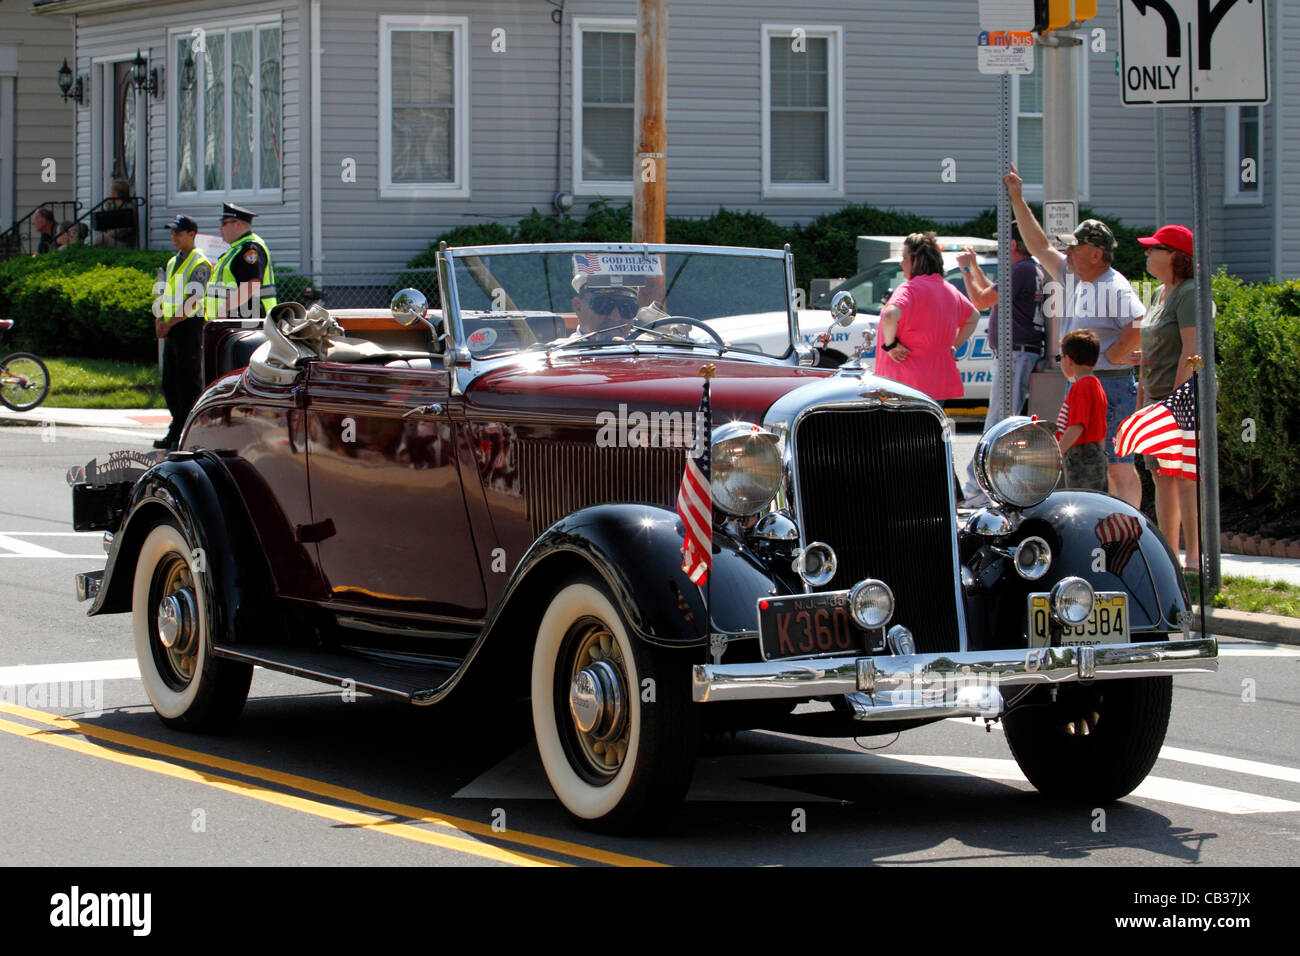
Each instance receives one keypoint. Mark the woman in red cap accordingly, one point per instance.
(1168, 341)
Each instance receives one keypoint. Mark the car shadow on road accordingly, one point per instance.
(760, 812)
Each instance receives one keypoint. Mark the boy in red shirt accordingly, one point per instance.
(1081, 426)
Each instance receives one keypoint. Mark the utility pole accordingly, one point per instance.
(649, 186)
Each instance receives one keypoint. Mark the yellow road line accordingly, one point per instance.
(288, 801)
(322, 789)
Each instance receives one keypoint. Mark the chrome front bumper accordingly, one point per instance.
(959, 684)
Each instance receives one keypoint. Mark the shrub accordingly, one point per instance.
(1257, 335)
(83, 301)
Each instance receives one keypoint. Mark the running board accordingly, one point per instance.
(418, 684)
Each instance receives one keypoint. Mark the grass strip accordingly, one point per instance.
(1251, 594)
(104, 383)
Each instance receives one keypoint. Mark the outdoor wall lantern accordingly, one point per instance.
(69, 89)
(145, 78)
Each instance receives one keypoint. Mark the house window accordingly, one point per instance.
(802, 118)
(1243, 141)
(603, 105)
(226, 115)
(423, 107)
(1027, 124)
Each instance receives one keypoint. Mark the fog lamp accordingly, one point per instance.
(871, 603)
(1072, 600)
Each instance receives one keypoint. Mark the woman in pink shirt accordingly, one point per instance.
(924, 324)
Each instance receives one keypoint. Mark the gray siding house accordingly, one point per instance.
(35, 124)
(358, 132)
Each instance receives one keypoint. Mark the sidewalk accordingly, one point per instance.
(150, 418)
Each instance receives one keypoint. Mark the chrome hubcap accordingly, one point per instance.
(177, 615)
(596, 701)
(598, 708)
(176, 622)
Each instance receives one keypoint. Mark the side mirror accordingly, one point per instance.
(409, 306)
(843, 308)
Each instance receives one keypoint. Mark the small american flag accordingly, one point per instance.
(1063, 418)
(586, 265)
(695, 499)
(1167, 430)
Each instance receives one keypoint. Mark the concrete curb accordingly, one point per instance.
(1274, 628)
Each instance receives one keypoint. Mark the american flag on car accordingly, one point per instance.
(695, 498)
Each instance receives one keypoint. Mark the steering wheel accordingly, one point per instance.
(678, 320)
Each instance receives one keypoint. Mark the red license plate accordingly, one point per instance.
(807, 625)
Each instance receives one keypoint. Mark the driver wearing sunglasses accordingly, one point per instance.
(605, 308)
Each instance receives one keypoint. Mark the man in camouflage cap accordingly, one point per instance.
(1090, 294)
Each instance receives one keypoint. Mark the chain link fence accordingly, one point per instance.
(358, 289)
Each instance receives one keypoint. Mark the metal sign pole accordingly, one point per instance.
(1208, 452)
(1005, 292)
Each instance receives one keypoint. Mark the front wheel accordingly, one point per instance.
(24, 381)
(615, 725)
(189, 686)
(1094, 743)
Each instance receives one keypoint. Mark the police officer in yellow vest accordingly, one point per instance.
(179, 323)
(243, 282)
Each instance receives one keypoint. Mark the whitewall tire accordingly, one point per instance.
(187, 684)
(619, 754)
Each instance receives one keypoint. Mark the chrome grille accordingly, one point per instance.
(874, 485)
(558, 478)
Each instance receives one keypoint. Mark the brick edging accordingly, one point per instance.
(1233, 543)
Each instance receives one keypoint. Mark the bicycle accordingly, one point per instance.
(24, 379)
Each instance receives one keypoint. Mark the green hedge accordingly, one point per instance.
(823, 248)
(1257, 337)
(83, 301)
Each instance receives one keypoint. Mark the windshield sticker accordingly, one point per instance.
(482, 339)
(617, 265)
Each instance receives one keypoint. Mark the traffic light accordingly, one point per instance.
(1055, 14)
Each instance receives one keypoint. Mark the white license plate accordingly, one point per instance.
(1107, 625)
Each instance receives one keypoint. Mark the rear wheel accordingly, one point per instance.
(189, 686)
(1094, 743)
(24, 381)
(615, 725)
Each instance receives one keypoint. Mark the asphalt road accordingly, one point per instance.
(308, 777)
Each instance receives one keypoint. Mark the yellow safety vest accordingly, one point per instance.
(177, 289)
(224, 288)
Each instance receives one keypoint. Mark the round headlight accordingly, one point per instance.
(871, 603)
(747, 469)
(1018, 462)
(1072, 600)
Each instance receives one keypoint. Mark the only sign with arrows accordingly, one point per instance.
(1193, 52)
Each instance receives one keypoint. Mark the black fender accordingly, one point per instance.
(637, 550)
(197, 495)
(1097, 537)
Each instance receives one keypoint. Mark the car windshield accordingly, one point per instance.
(872, 288)
(509, 301)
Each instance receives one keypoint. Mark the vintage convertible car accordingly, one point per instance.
(482, 500)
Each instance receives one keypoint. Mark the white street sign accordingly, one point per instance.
(1060, 219)
(1006, 51)
(1193, 52)
(1006, 14)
